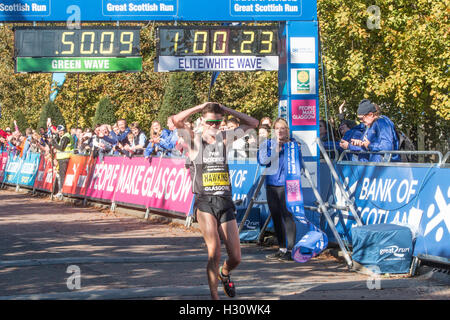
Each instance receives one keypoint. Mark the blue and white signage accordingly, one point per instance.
(217, 63)
(416, 197)
(264, 8)
(21, 10)
(158, 10)
(136, 9)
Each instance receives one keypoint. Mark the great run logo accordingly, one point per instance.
(395, 250)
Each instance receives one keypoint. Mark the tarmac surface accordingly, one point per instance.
(55, 250)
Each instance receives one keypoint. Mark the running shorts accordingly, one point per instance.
(222, 208)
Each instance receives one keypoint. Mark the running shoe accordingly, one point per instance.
(274, 256)
(287, 256)
(228, 285)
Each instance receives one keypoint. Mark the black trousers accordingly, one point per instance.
(62, 169)
(283, 221)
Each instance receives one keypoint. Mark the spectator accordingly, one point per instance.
(43, 136)
(11, 145)
(255, 140)
(182, 146)
(266, 121)
(239, 146)
(27, 142)
(380, 132)
(105, 139)
(168, 139)
(109, 137)
(84, 145)
(124, 147)
(35, 145)
(100, 146)
(115, 129)
(232, 123)
(123, 130)
(223, 125)
(349, 130)
(139, 142)
(263, 133)
(3, 142)
(327, 138)
(8, 131)
(272, 154)
(153, 147)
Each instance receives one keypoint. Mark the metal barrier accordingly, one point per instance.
(446, 157)
(391, 152)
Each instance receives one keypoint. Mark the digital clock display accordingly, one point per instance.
(90, 42)
(218, 41)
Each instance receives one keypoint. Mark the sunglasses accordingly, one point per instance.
(215, 122)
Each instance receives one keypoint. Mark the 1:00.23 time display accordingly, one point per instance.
(218, 41)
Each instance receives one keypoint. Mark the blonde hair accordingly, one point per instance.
(155, 134)
(284, 121)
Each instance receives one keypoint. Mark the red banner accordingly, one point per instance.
(77, 175)
(3, 161)
(46, 175)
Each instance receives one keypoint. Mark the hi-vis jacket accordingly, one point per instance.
(65, 146)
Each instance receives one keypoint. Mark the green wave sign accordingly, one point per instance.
(111, 64)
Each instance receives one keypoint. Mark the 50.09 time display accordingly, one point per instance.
(218, 40)
(62, 42)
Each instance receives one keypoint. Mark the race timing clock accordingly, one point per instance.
(218, 40)
(58, 49)
(205, 48)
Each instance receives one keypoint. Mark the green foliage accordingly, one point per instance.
(20, 120)
(253, 93)
(27, 92)
(180, 94)
(51, 110)
(402, 65)
(105, 112)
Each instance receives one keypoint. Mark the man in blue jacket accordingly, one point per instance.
(380, 134)
(350, 130)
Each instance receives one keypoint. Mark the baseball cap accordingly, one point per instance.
(366, 106)
(60, 128)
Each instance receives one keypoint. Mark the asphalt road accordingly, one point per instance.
(55, 250)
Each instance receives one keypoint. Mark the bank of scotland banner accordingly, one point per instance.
(417, 197)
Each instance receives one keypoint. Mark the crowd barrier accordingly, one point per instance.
(417, 195)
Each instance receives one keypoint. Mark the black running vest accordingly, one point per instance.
(209, 171)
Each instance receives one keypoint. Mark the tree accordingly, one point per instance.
(105, 112)
(395, 53)
(51, 110)
(20, 120)
(27, 92)
(180, 94)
